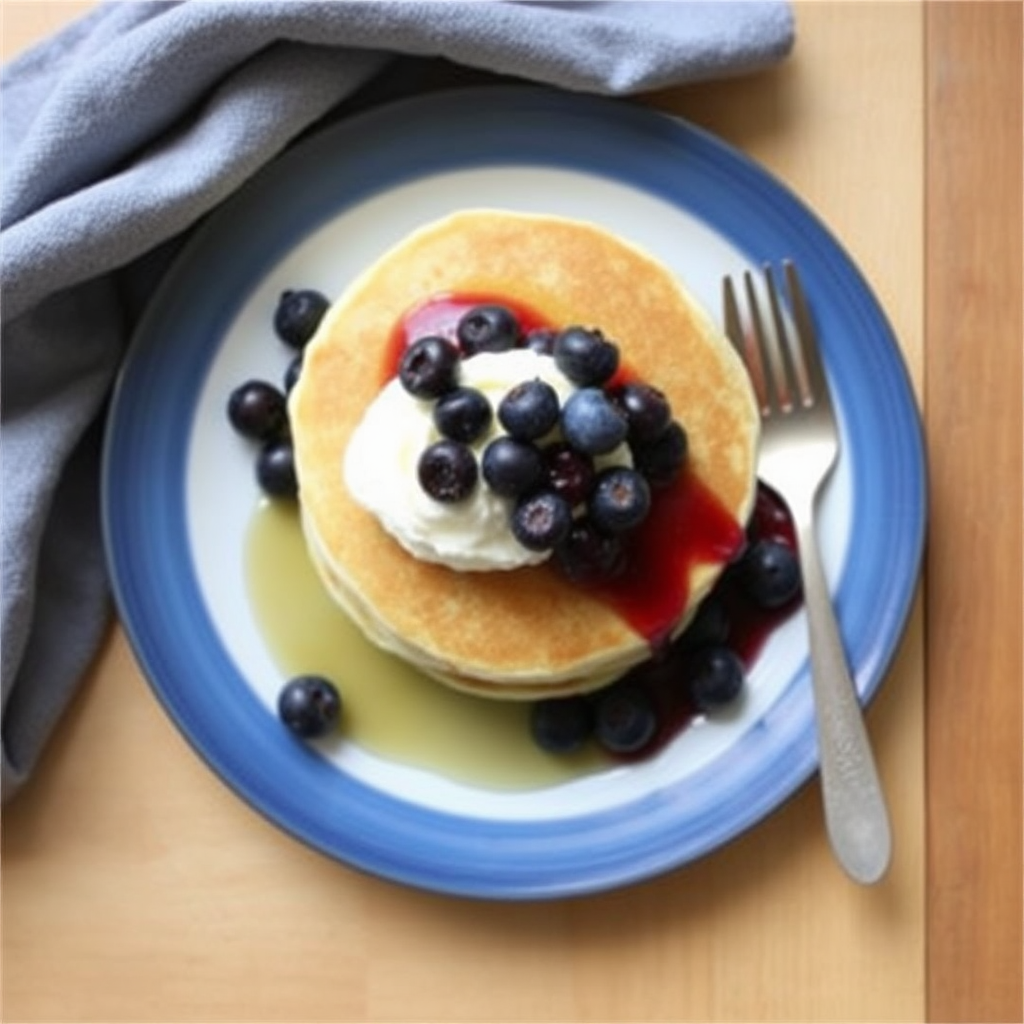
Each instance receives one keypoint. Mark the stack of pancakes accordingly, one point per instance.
(529, 632)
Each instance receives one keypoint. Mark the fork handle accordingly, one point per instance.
(856, 817)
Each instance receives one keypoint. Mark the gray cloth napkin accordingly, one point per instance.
(123, 130)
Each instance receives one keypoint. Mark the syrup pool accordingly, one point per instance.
(389, 708)
(398, 713)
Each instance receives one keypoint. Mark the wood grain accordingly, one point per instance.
(973, 393)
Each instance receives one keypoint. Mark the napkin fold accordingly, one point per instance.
(122, 131)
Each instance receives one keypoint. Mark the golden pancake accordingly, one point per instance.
(526, 632)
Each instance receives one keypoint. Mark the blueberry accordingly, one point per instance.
(591, 423)
(462, 414)
(275, 470)
(309, 705)
(541, 521)
(585, 357)
(770, 517)
(621, 500)
(447, 471)
(588, 555)
(625, 720)
(487, 329)
(428, 367)
(570, 472)
(561, 725)
(540, 340)
(258, 411)
(298, 315)
(512, 468)
(292, 373)
(709, 627)
(662, 460)
(647, 411)
(530, 410)
(715, 677)
(769, 573)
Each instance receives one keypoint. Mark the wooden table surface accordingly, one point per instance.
(137, 888)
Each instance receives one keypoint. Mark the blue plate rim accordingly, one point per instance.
(384, 835)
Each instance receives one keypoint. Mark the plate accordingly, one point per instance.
(178, 489)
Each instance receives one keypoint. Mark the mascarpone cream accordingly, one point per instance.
(381, 458)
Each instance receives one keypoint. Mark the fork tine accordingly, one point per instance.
(814, 370)
(733, 327)
(768, 352)
(790, 365)
(745, 346)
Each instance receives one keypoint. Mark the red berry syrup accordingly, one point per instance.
(439, 316)
(686, 526)
(727, 617)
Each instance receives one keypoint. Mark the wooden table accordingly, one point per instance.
(137, 888)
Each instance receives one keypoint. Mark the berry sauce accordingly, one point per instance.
(440, 316)
(687, 526)
(736, 621)
(749, 625)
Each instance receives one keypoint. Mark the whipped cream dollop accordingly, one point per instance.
(380, 469)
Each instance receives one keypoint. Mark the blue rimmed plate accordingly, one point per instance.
(178, 488)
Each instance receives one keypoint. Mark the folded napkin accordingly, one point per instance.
(123, 130)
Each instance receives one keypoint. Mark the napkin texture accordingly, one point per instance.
(122, 131)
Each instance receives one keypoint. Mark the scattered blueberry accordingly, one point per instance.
(625, 719)
(529, 410)
(591, 423)
(770, 518)
(298, 315)
(561, 725)
(462, 414)
(258, 411)
(447, 471)
(589, 555)
(275, 469)
(659, 675)
(661, 461)
(541, 521)
(647, 411)
(769, 572)
(487, 329)
(512, 468)
(428, 367)
(621, 500)
(709, 627)
(585, 356)
(309, 705)
(715, 677)
(570, 472)
(291, 374)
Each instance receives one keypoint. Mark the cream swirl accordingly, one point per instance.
(380, 469)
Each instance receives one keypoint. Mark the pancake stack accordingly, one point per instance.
(530, 632)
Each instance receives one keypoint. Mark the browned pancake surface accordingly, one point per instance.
(526, 625)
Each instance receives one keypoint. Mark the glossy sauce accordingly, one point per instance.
(399, 713)
(735, 622)
(393, 710)
(687, 524)
(389, 707)
(440, 315)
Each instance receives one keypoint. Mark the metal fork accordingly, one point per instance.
(799, 448)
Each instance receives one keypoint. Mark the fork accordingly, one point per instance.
(799, 448)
